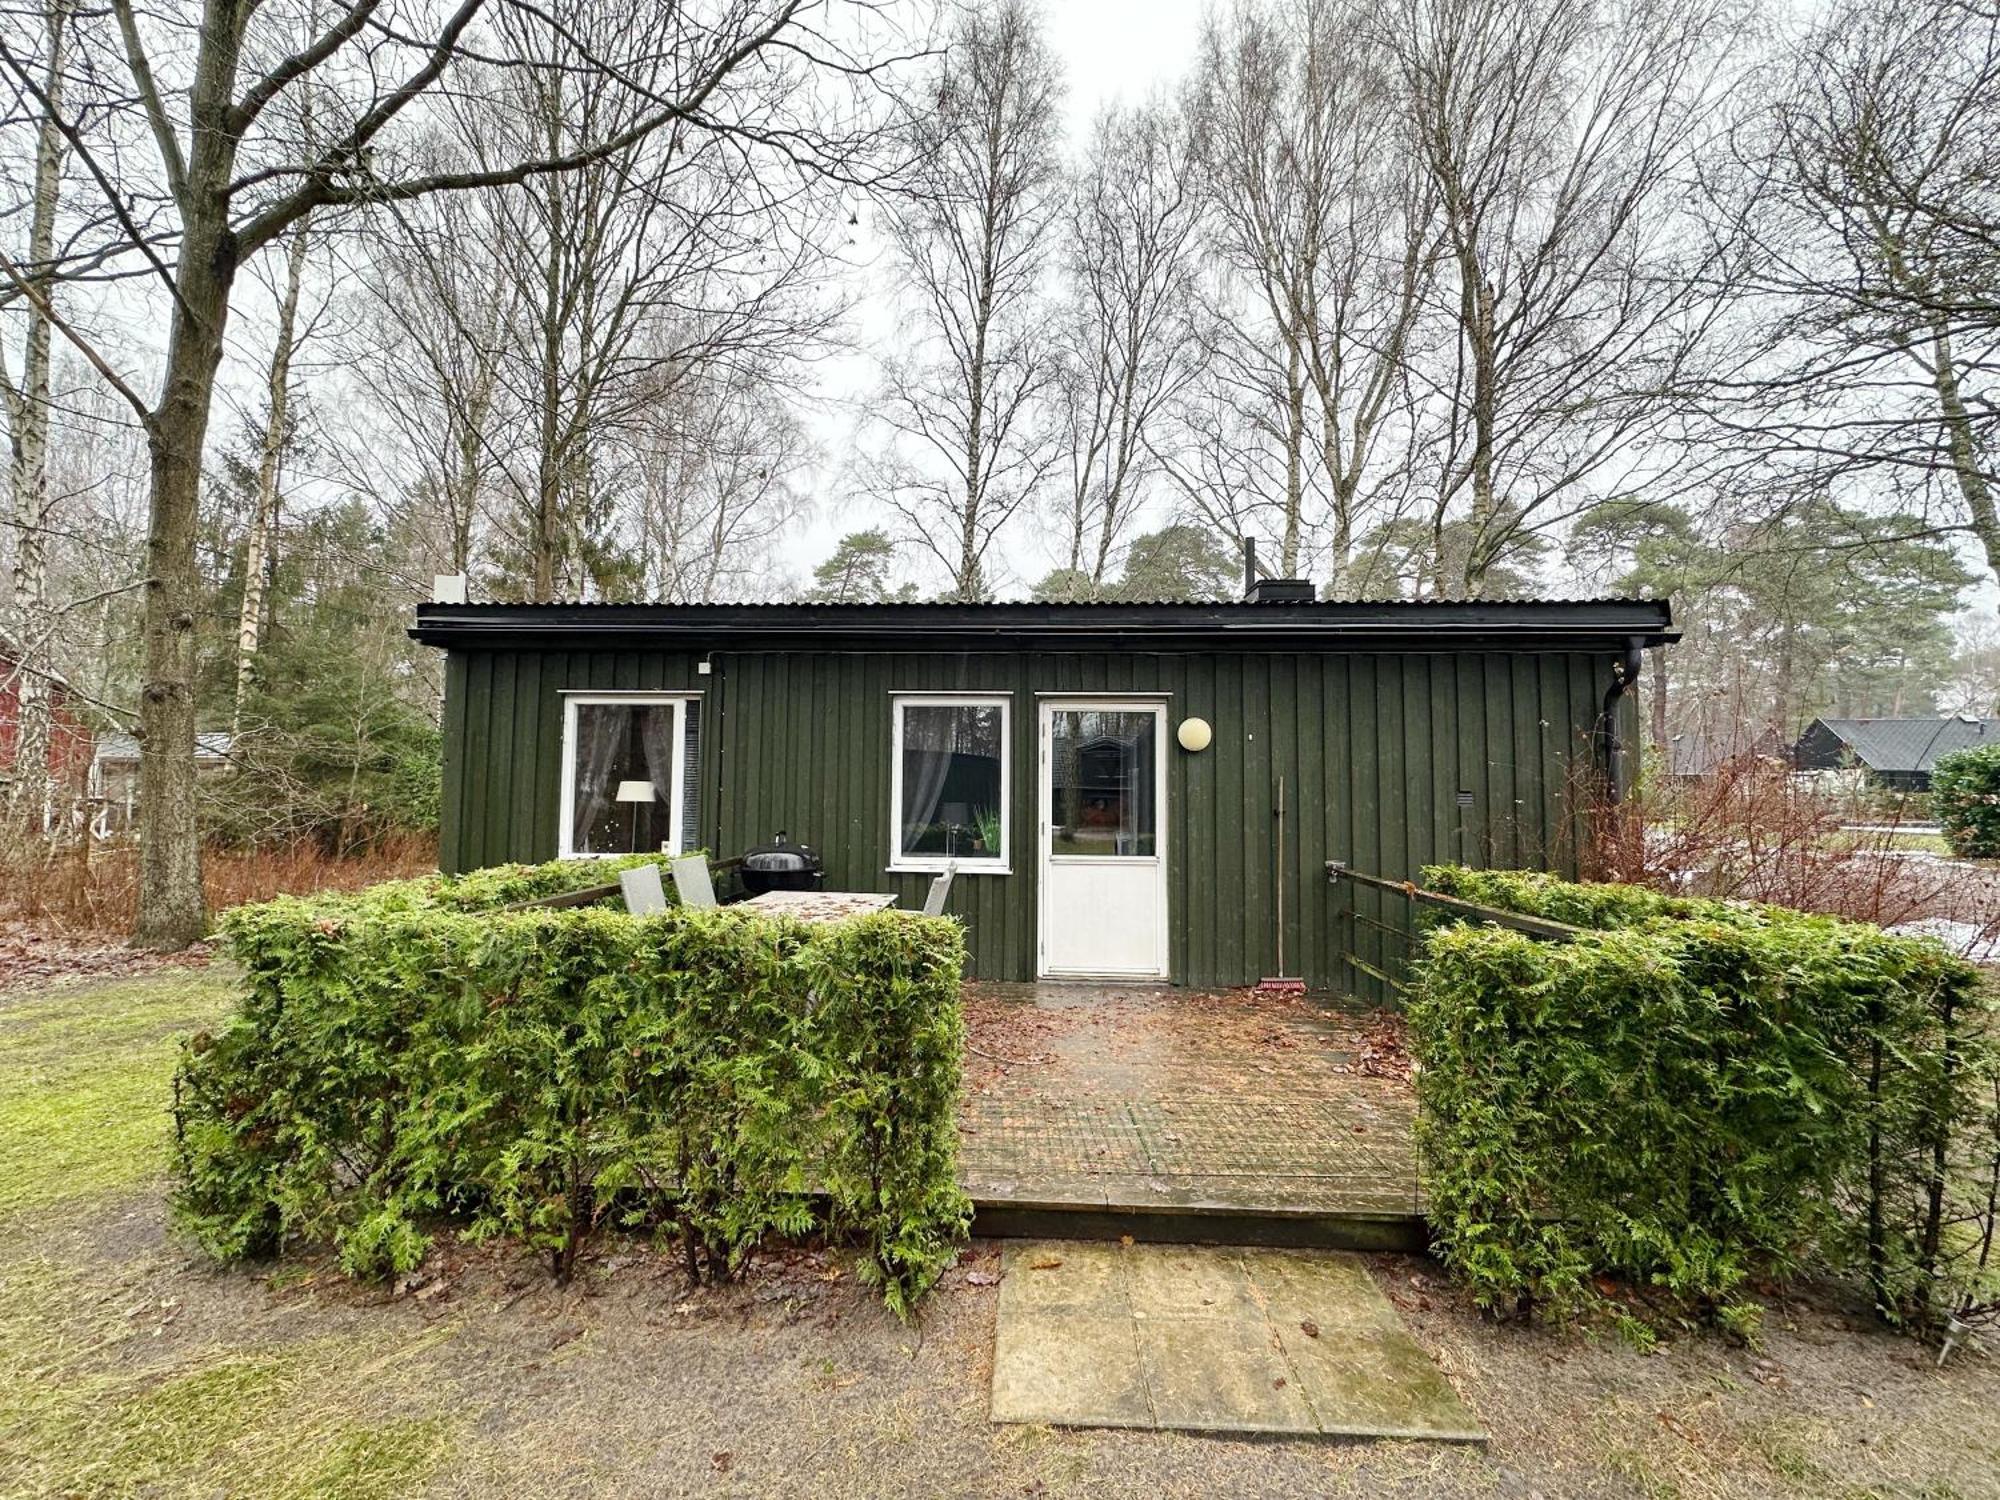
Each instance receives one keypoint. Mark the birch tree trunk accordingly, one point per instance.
(546, 532)
(967, 582)
(1295, 442)
(270, 463)
(32, 796)
(1963, 445)
(969, 444)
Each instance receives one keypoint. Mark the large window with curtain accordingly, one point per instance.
(631, 773)
(949, 775)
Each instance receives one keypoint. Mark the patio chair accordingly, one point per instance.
(940, 888)
(692, 883)
(643, 893)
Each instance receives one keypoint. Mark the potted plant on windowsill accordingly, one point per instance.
(986, 831)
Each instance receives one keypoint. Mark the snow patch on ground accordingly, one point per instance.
(1977, 943)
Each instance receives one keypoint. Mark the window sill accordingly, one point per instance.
(938, 869)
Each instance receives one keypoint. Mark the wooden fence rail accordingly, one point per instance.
(1472, 911)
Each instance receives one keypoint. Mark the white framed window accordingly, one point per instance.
(631, 766)
(950, 782)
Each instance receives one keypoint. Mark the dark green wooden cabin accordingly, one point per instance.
(895, 738)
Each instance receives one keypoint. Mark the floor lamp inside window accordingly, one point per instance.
(634, 792)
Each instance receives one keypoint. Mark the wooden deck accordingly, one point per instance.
(1100, 1111)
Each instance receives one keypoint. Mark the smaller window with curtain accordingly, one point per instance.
(630, 774)
(949, 765)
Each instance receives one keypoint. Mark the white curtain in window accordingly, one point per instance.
(930, 736)
(656, 733)
(602, 730)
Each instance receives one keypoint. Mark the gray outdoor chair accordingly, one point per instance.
(644, 896)
(691, 881)
(940, 888)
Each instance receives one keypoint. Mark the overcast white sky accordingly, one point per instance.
(1116, 48)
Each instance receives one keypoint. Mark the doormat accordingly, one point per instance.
(1211, 1339)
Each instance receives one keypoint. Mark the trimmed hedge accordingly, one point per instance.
(1965, 797)
(403, 1056)
(1694, 1094)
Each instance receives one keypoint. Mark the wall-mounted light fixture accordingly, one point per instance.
(1194, 735)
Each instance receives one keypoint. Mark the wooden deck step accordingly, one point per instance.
(1025, 1215)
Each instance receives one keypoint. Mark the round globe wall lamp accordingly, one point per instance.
(1194, 735)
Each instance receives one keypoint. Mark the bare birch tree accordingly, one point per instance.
(1870, 209)
(436, 305)
(271, 447)
(1322, 217)
(973, 233)
(1129, 346)
(197, 86)
(27, 401)
(550, 320)
(720, 462)
(1560, 138)
(673, 261)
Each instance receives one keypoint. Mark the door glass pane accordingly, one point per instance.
(624, 777)
(953, 803)
(1101, 782)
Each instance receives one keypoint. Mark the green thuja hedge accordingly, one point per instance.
(406, 1056)
(1693, 1094)
(1965, 796)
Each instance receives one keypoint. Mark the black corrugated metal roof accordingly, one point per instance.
(905, 605)
(1910, 744)
(1427, 624)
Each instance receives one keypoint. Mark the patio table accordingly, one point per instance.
(821, 906)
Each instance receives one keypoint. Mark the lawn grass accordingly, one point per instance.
(1902, 840)
(85, 1085)
(95, 1399)
(279, 1419)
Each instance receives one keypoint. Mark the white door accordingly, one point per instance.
(1103, 838)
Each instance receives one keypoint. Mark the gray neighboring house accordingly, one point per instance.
(114, 777)
(1896, 753)
(1696, 754)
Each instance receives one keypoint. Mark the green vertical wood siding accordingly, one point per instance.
(1374, 750)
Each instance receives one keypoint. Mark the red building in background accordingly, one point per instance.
(71, 743)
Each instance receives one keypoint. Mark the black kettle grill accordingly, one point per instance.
(782, 866)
